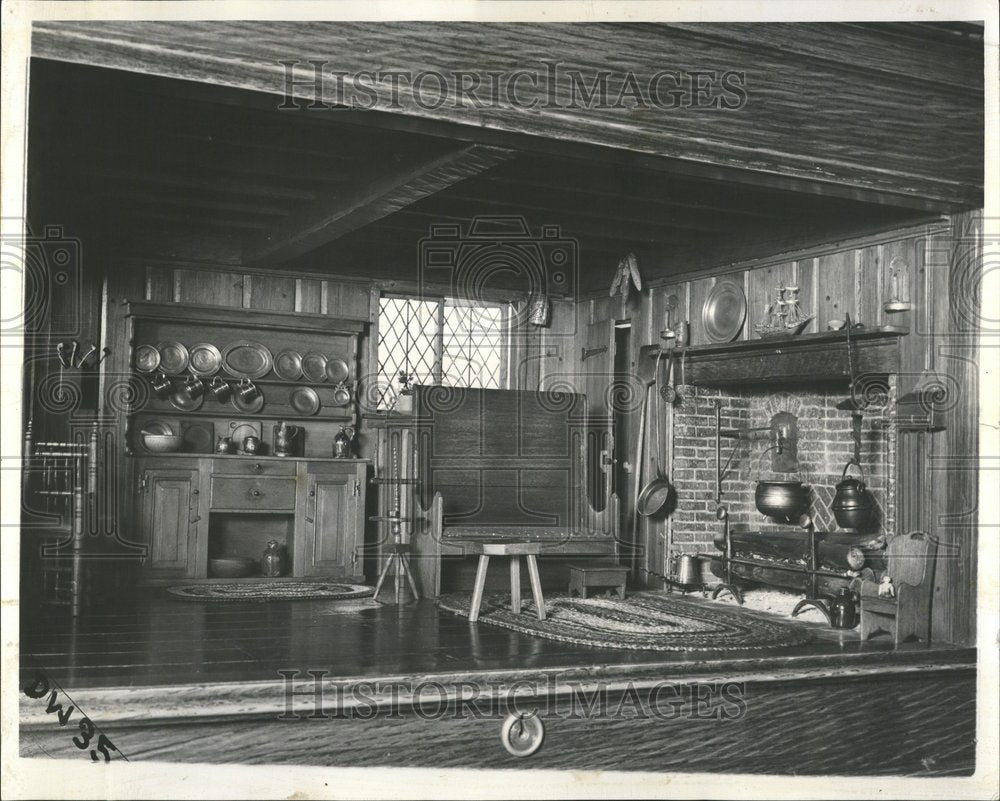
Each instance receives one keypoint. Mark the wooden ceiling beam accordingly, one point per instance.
(389, 192)
(200, 220)
(811, 125)
(198, 181)
(613, 239)
(632, 215)
(196, 201)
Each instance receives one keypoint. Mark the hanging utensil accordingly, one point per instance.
(639, 446)
(655, 494)
(61, 352)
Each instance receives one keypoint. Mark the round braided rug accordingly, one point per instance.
(644, 621)
(270, 591)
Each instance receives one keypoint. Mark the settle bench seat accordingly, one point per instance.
(561, 539)
(497, 465)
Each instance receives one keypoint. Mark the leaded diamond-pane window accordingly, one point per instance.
(441, 341)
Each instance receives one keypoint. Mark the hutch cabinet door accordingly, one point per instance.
(170, 518)
(330, 520)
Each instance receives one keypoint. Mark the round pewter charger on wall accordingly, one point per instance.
(724, 311)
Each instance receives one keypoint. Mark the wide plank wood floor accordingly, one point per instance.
(151, 639)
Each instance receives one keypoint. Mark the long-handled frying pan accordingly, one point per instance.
(655, 494)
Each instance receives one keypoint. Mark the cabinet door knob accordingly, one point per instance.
(195, 492)
(255, 493)
(312, 493)
(258, 467)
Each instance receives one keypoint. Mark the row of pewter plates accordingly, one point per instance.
(204, 359)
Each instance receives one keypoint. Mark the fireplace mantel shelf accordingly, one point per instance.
(807, 357)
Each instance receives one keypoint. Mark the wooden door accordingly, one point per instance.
(170, 520)
(596, 373)
(330, 521)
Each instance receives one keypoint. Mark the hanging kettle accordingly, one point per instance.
(852, 503)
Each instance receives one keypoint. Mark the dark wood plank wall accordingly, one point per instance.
(862, 108)
(537, 353)
(935, 471)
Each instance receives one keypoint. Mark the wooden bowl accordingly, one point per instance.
(162, 443)
(231, 567)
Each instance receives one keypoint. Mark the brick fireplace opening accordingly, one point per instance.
(825, 445)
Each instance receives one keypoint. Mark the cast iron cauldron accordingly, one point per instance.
(853, 504)
(785, 501)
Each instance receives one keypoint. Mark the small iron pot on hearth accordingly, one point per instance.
(852, 504)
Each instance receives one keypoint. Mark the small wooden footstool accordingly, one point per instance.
(583, 577)
(515, 550)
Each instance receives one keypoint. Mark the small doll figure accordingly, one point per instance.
(885, 588)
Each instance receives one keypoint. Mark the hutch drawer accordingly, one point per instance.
(239, 466)
(250, 494)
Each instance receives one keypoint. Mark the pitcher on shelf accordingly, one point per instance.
(343, 443)
(284, 439)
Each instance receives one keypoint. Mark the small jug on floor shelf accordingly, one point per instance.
(272, 564)
(844, 610)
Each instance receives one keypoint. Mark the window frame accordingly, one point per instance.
(507, 307)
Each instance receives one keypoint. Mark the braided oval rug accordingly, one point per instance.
(644, 621)
(271, 591)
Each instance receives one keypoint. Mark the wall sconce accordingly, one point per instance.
(899, 287)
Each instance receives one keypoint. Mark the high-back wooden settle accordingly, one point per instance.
(496, 464)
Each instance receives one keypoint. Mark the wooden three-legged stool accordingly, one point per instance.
(515, 550)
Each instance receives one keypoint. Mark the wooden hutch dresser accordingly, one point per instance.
(195, 504)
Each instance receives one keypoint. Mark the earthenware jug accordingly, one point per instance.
(224, 445)
(844, 610)
(343, 442)
(251, 445)
(273, 562)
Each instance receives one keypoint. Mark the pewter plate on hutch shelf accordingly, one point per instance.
(724, 311)
(146, 358)
(304, 400)
(204, 359)
(288, 365)
(173, 357)
(246, 359)
(337, 371)
(248, 407)
(314, 367)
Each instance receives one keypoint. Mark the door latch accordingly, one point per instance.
(357, 488)
(142, 481)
